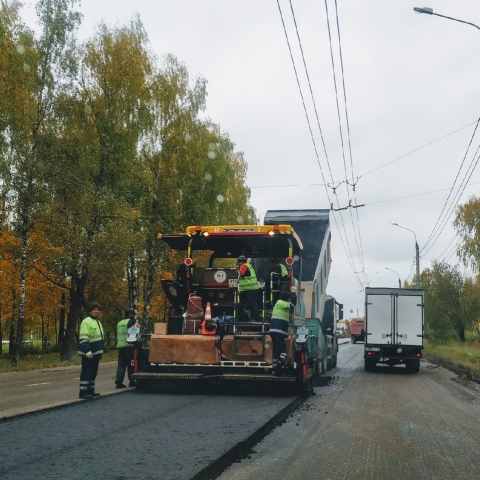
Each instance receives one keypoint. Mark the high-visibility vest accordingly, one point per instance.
(250, 282)
(91, 337)
(281, 310)
(283, 270)
(122, 333)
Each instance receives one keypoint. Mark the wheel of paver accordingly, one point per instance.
(323, 365)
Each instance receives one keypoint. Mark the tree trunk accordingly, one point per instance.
(21, 303)
(61, 321)
(12, 344)
(462, 334)
(132, 283)
(77, 291)
(148, 290)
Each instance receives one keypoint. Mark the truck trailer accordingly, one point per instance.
(357, 330)
(207, 339)
(313, 227)
(394, 327)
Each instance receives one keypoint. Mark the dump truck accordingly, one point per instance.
(394, 327)
(208, 339)
(313, 227)
(357, 330)
(332, 313)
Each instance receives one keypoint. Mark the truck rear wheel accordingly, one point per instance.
(329, 363)
(413, 366)
(324, 365)
(369, 365)
(353, 339)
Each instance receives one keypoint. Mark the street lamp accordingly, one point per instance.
(399, 281)
(417, 255)
(429, 11)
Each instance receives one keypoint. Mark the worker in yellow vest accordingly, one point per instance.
(278, 331)
(125, 350)
(90, 348)
(248, 287)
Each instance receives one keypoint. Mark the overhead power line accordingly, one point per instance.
(417, 149)
(456, 199)
(348, 252)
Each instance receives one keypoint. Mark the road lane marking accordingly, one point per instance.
(36, 384)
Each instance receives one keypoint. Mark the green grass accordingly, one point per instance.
(467, 354)
(38, 361)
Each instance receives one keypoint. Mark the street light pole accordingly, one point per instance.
(417, 255)
(429, 11)
(399, 281)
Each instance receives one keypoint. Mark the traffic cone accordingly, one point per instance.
(209, 326)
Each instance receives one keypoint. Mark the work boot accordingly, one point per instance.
(120, 385)
(85, 394)
(91, 392)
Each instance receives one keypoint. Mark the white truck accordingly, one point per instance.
(394, 320)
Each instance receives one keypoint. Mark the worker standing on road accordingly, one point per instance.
(125, 350)
(91, 348)
(279, 329)
(248, 286)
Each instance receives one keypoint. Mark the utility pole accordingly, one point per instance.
(417, 256)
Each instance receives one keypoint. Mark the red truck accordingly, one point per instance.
(357, 330)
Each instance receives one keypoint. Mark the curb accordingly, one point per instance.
(57, 406)
(242, 449)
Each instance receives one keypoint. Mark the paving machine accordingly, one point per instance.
(208, 338)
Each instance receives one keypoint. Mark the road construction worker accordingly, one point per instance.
(279, 268)
(91, 349)
(279, 329)
(277, 276)
(248, 287)
(125, 350)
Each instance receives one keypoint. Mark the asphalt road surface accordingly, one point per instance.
(383, 425)
(380, 425)
(32, 390)
(132, 435)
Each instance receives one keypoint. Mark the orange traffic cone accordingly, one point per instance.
(209, 326)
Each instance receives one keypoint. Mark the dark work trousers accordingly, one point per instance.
(89, 373)
(279, 347)
(125, 357)
(250, 298)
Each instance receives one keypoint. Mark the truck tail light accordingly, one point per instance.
(418, 355)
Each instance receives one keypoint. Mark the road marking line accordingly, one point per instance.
(36, 384)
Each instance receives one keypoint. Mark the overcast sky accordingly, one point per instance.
(410, 79)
